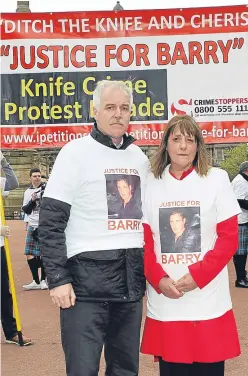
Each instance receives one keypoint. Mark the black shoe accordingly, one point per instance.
(243, 283)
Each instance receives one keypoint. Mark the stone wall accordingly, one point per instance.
(22, 162)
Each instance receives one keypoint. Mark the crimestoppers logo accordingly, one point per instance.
(182, 107)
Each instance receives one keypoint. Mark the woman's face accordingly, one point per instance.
(182, 149)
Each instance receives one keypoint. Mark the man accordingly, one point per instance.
(8, 183)
(130, 208)
(183, 237)
(177, 223)
(94, 264)
(31, 207)
(240, 187)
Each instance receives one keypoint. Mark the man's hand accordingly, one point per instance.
(169, 289)
(185, 284)
(34, 196)
(5, 231)
(63, 296)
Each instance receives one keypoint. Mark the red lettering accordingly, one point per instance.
(129, 225)
(210, 50)
(180, 258)
(120, 226)
(179, 54)
(23, 53)
(14, 64)
(109, 55)
(55, 51)
(130, 59)
(41, 55)
(90, 55)
(172, 260)
(66, 57)
(141, 52)
(189, 258)
(164, 259)
(111, 225)
(74, 60)
(163, 54)
(195, 49)
(225, 49)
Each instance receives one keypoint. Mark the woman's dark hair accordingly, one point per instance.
(187, 126)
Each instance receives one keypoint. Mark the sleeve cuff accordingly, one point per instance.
(197, 274)
(158, 275)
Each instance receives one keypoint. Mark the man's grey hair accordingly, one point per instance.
(243, 167)
(101, 85)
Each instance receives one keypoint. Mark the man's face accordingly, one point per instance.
(113, 114)
(177, 223)
(125, 190)
(35, 179)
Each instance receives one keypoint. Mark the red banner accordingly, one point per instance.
(127, 23)
(146, 134)
(177, 61)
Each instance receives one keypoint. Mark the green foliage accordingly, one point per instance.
(234, 158)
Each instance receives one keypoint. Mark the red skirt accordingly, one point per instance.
(207, 341)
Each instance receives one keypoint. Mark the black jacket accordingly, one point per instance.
(132, 210)
(33, 205)
(190, 240)
(111, 275)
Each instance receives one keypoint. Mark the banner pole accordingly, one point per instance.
(11, 278)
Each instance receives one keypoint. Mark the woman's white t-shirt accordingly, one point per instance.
(183, 215)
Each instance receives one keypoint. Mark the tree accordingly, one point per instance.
(234, 159)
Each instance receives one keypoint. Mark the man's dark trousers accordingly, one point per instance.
(87, 326)
(8, 321)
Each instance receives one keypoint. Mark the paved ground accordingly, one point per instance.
(40, 321)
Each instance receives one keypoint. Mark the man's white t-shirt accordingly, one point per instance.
(183, 215)
(105, 188)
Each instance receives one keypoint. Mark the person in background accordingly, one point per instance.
(190, 326)
(31, 207)
(8, 183)
(240, 187)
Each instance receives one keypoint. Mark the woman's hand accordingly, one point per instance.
(185, 284)
(166, 285)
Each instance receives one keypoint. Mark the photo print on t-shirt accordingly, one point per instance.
(123, 200)
(180, 228)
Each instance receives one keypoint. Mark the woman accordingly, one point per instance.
(190, 325)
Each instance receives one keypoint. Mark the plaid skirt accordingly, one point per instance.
(32, 246)
(243, 240)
